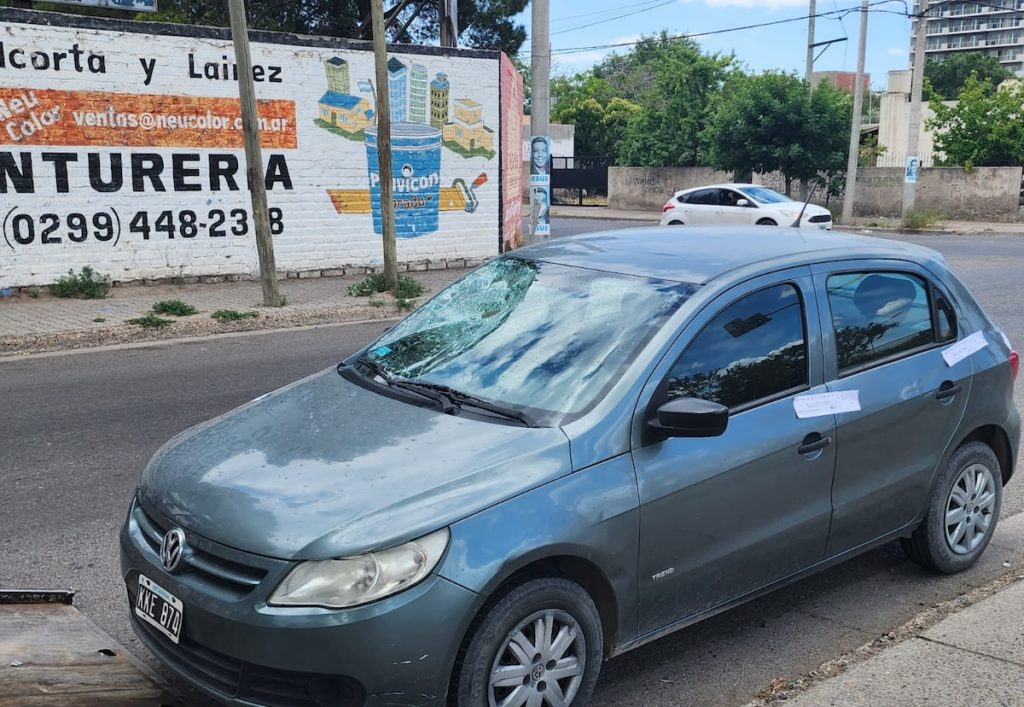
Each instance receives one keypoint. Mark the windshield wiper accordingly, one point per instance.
(393, 381)
(461, 399)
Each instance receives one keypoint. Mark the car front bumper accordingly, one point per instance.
(240, 651)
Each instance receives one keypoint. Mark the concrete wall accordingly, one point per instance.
(984, 194)
(643, 188)
(129, 159)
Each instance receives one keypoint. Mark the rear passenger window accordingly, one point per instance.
(756, 348)
(945, 320)
(704, 196)
(878, 315)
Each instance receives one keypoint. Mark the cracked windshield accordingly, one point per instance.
(539, 336)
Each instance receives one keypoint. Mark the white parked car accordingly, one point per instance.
(721, 204)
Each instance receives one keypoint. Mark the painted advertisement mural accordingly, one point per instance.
(122, 150)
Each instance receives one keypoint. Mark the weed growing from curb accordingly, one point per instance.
(405, 289)
(233, 315)
(88, 284)
(151, 321)
(174, 307)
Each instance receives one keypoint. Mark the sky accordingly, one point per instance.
(578, 25)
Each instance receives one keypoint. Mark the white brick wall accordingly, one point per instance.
(315, 236)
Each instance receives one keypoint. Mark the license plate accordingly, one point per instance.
(158, 607)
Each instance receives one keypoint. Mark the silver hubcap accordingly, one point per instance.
(969, 509)
(541, 663)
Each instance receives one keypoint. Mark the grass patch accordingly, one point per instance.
(403, 304)
(100, 320)
(407, 288)
(151, 321)
(175, 307)
(233, 315)
(917, 219)
(87, 284)
(475, 152)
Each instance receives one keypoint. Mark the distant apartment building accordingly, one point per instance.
(994, 27)
(843, 80)
(419, 95)
(398, 90)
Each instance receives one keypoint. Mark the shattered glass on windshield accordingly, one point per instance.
(539, 336)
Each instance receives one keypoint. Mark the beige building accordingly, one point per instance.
(894, 124)
(467, 128)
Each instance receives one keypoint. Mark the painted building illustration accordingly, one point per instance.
(340, 111)
(467, 130)
(439, 90)
(398, 90)
(337, 75)
(418, 94)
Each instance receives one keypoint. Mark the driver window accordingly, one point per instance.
(756, 348)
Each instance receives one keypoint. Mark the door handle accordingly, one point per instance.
(813, 442)
(947, 390)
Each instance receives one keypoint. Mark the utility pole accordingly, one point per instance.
(383, 112)
(540, 77)
(858, 104)
(254, 155)
(916, 87)
(449, 16)
(812, 11)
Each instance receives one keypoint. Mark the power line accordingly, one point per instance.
(600, 12)
(661, 3)
(831, 14)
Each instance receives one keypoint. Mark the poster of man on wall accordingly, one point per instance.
(540, 185)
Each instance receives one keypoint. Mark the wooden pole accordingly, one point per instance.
(383, 111)
(254, 155)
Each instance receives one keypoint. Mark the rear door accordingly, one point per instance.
(724, 516)
(702, 207)
(885, 325)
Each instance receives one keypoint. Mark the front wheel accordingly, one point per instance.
(962, 513)
(766, 222)
(539, 645)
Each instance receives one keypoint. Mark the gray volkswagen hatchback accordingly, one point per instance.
(574, 450)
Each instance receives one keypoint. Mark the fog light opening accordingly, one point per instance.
(336, 692)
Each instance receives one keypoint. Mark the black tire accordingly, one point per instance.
(485, 650)
(766, 222)
(930, 545)
(676, 223)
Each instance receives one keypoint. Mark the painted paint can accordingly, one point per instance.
(416, 173)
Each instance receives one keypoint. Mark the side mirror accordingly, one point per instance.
(742, 202)
(690, 417)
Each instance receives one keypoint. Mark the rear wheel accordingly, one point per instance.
(676, 223)
(539, 645)
(766, 222)
(962, 513)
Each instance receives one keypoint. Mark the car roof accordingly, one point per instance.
(698, 255)
(730, 185)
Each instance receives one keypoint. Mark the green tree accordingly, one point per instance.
(483, 24)
(947, 77)
(599, 129)
(771, 122)
(678, 88)
(985, 128)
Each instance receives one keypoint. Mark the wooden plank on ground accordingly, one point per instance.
(52, 654)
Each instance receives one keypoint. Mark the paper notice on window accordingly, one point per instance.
(826, 403)
(962, 349)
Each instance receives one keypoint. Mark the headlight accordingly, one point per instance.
(339, 584)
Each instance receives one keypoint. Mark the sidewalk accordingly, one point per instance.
(37, 324)
(968, 650)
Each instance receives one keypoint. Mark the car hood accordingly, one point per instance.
(326, 468)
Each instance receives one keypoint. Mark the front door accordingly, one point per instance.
(890, 324)
(724, 516)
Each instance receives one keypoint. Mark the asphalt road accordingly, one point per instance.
(76, 430)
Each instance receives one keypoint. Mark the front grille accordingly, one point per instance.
(230, 577)
(258, 684)
(821, 218)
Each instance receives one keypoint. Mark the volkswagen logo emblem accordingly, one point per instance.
(172, 548)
